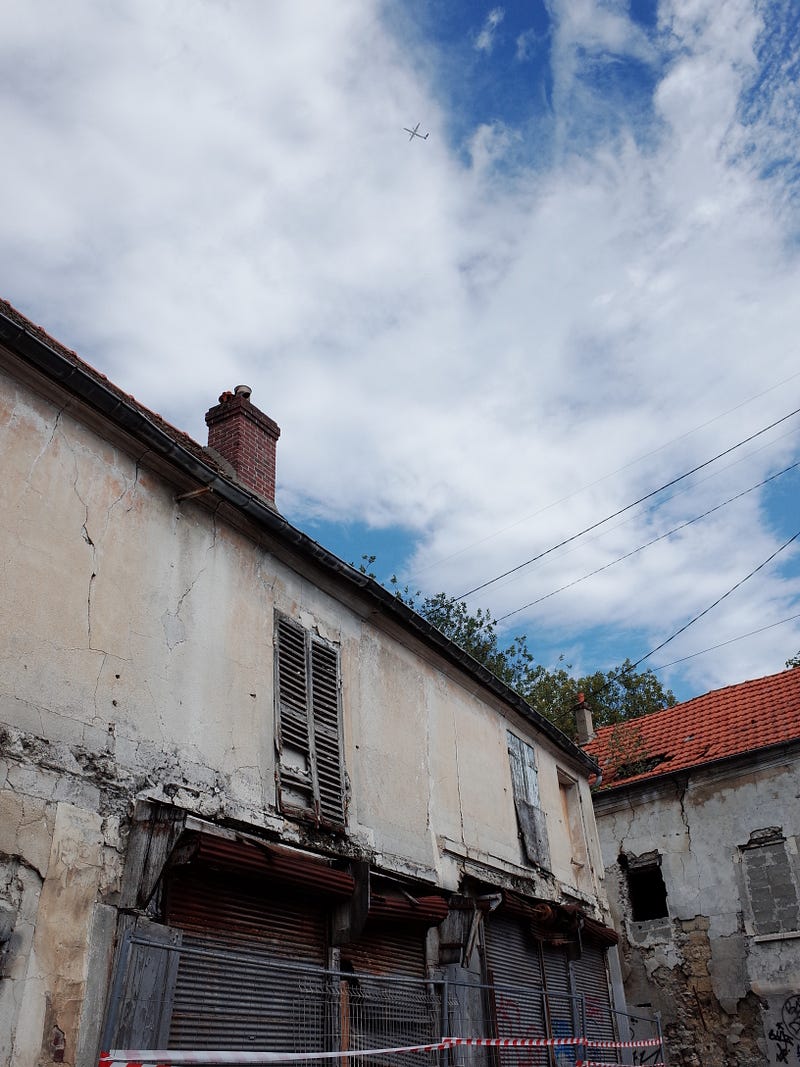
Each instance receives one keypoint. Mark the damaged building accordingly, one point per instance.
(699, 820)
(248, 798)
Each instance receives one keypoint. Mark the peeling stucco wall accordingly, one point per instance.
(720, 984)
(138, 664)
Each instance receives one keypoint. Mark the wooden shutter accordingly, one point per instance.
(327, 746)
(530, 816)
(310, 774)
(140, 1004)
(293, 732)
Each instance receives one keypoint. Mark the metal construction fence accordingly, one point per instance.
(214, 997)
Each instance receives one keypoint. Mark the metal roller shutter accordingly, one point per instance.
(562, 1009)
(590, 980)
(388, 949)
(236, 987)
(386, 1004)
(515, 972)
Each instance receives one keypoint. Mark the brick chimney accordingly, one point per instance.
(245, 437)
(584, 727)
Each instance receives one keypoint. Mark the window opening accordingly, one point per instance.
(646, 889)
(571, 814)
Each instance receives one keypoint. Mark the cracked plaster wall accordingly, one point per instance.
(138, 663)
(720, 991)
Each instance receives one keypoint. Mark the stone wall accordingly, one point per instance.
(723, 959)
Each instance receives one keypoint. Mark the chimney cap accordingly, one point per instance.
(243, 390)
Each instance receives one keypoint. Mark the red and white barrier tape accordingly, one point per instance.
(175, 1058)
(544, 1042)
(170, 1058)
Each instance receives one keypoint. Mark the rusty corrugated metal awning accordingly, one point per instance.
(554, 922)
(394, 905)
(275, 863)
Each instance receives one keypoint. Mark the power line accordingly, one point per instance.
(647, 544)
(722, 644)
(683, 489)
(628, 507)
(603, 478)
(719, 600)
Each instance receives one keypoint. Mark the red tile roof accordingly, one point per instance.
(718, 725)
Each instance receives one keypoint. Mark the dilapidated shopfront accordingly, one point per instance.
(233, 942)
(248, 798)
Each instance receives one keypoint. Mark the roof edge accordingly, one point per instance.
(35, 347)
(681, 772)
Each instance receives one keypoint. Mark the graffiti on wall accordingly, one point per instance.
(785, 1035)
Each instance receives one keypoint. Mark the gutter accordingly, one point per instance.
(58, 364)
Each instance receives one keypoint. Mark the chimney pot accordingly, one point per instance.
(247, 438)
(584, 727)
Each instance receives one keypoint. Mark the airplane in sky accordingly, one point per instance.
(413, 133)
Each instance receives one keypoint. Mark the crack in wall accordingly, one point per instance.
(458, 784)
(174, 628)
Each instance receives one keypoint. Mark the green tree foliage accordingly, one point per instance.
(613, 696)
(794, 661)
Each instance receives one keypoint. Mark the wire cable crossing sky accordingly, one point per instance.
(628, 507)
(588, 263)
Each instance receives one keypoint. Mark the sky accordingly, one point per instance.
(583, 284)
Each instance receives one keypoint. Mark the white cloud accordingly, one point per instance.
(484, 42)
(197, 202)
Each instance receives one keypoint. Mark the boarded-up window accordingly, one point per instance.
(771, 886)
(530, 816)
(308, 735)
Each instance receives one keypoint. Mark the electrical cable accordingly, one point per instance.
(628, 507)
(672, 496)
(719, 600)
(722, 644)
(602, 478)
(647, 544)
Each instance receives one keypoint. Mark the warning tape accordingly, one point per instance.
(175, 1058)
(544, 1042)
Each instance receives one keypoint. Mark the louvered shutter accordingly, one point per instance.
(293, 735)
(310, 774)
(327, 747)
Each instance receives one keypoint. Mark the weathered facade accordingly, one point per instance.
(244, 791)
(699, 820)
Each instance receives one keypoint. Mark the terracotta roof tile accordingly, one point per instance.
(718, 725)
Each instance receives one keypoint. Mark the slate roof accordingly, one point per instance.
(719, 725)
